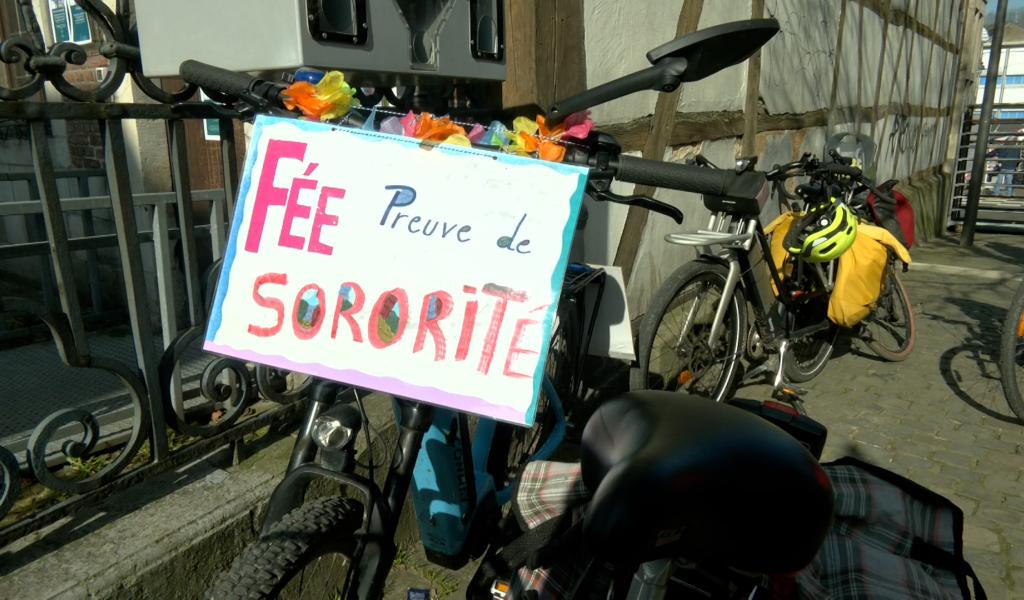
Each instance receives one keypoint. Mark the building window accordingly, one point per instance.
(1003, 80)
(70, 22)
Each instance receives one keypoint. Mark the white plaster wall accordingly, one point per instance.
(796, 65)
(725, 90)
(618, 36)
(797, 69)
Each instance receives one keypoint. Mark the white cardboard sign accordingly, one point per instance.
(428, 272)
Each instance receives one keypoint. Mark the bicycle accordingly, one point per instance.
(459, 487)
(1011, 353)
(701, 311)
(890, 330)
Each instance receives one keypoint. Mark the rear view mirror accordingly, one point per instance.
(710, 50)
(689, 58)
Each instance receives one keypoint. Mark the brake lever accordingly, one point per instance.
(645, 202)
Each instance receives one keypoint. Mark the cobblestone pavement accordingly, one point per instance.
(940, 417)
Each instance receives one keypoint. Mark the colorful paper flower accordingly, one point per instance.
(329, 99)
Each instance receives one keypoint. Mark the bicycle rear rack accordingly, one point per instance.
(708, 238)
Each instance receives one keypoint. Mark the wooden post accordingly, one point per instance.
(654, 149)
(545, 51)
(750, 106)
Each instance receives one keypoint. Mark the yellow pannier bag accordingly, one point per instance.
(861, 268)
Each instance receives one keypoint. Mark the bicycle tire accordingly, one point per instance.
(895, 291)
(1008, 353)
(803, 371)
(679, 282)
(808, 356)
(264, 569)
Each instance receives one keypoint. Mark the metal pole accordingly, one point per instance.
(984, 124)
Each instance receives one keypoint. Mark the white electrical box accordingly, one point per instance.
(373, 41)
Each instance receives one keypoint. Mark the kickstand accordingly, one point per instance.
(784, 391)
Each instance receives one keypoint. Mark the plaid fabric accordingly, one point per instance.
(547, 490)
(867, 552)
(865, 555)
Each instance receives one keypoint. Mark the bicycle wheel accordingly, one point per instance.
(513, 446)
(1011, 354)
(890, 329)
(675, 352)
(307, 555)
(808, 355)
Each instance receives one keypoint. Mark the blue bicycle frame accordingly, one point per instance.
(451, 485)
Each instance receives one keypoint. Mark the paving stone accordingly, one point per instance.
(1003, 461)
(981, 538)
(998, 446)
(957, 459)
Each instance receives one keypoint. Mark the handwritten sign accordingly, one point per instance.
(427, 272)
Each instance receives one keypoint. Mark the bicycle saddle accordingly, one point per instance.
(682, 476)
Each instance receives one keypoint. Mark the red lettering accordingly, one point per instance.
(468, 321)
(381, 318)
(444, 309)
(266, 194)
(346, 313)
(503, 294)
(272, 303)
(515, 351)
(316, 319)
(322, 218)
(295, 210)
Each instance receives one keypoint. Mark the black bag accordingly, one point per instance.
(891, 538)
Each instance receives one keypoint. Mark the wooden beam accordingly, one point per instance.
(927, 80)
(838, 63)
(545, 51)
(520, 86)
(750, 106)
(904, 33)
(693, 128)
(860, 63)
(881, 66)
(657, 138)
(570, 49)
(902, 18)
(906, 87)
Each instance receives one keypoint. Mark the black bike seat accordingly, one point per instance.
(677, 475)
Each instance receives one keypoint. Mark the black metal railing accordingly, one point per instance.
(1001, 194)
(117, 280)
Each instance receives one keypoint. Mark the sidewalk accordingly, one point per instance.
(940, 417)
(994, 255)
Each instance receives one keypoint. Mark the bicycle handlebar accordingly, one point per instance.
(231, 83)
(689, 178)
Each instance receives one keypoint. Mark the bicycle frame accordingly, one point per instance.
(744, 246)
(451, 487)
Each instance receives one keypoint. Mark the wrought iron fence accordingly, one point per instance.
(83, 450)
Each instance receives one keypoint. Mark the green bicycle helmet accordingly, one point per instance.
(824, 232)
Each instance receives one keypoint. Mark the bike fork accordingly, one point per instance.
(731, 280)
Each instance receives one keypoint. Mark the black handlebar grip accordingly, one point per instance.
(217, 79)
(688, 178)
(838, 169)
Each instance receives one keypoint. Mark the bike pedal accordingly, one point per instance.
(789, 391)
(499, 589)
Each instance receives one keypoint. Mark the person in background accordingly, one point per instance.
(1006, 154)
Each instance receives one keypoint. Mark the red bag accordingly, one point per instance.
(893, 213)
